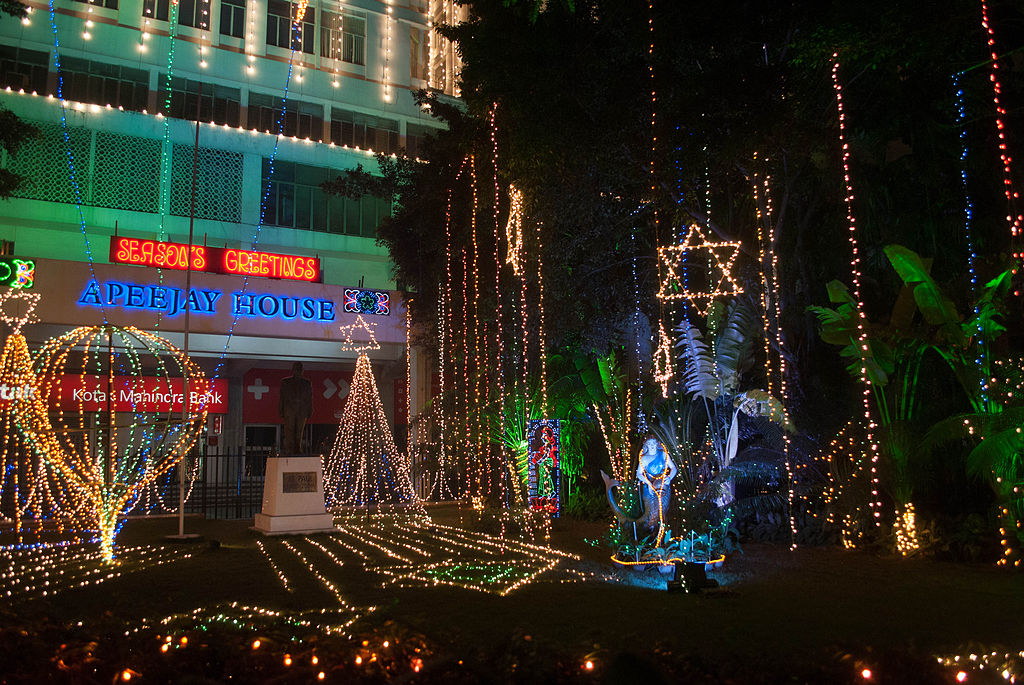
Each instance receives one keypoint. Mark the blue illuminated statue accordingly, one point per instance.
(654, 473)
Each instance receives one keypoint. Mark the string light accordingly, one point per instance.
(498, 293)
(387, 51)
(1013, 220)
(862, 336)
(673, 258)
(110, 474)
(364, 467)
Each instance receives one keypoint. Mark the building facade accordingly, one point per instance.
(213, 123)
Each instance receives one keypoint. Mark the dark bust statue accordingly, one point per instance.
(295, 406)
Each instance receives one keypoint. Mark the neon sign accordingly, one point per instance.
(170, 301)
(215, 260)
(359, 301)
(17, 273)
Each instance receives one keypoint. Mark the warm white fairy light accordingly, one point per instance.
(110, 474)
(17, 307)
(359, 336)
(273, 565)
(662, 361)
(35, 489)
(721, 255)
(862, 335)
(514, 230)
(46, 571)
(364, 467)
(387, 50)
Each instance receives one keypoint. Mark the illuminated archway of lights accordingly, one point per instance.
(862, 334)
(720, 256)
(110, 455)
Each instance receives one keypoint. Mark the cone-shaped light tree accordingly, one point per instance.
(365, 467)
(30, 489)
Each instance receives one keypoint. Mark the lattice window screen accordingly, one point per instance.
(126, 173)
(43, 164)
(218, 183)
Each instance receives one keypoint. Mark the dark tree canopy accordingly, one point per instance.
(573, 86)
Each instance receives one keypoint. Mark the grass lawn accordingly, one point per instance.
(434, 596)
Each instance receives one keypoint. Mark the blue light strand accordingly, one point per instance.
(67, 148)
(961, 118)
(296, 35)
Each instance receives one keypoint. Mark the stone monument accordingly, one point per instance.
(293, 492)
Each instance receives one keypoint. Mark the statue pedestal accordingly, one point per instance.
(293, 498)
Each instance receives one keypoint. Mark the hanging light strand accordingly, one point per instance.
(862, 337)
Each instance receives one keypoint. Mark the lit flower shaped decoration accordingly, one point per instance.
(128, 406)
(354, 341)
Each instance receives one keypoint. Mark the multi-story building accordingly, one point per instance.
(214, 122)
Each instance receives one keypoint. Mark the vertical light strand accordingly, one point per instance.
(250, 40)
(466, 386)
(972, 255)
(387, 50)
(774, 299)
(763, 260)
(204, 32)
(409, 389)
(499, 338)
(441, 423)
(541, 337)
(1013, 220)
(862, 336)
(479, 366)
(69, 155)
(87, 31)
(661, 360)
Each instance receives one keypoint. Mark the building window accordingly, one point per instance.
(194, 13)
(343, 37)
(232, 18)
(21, 68)
(220, 104)
(419, 56)
(155, 9)
(301, 119)
(109, 4)
(280, 15)
(364, 131)
(415, 136)
(99, 83)
(295, 200)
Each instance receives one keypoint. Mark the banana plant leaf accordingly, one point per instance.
(935, 307)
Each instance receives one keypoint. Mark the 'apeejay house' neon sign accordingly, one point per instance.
(170, 301)
(216, 260)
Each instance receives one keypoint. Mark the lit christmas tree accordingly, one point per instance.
(31, 491)
(365, 467)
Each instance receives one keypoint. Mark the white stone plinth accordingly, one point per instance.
(293, 497)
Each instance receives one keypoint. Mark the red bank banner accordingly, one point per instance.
(215, 260)
(261, 392)
(136, 394)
